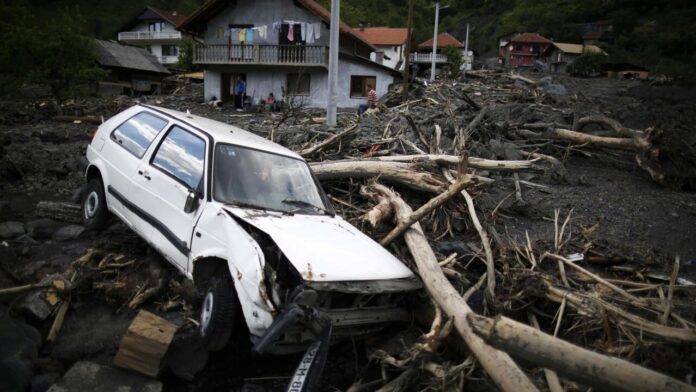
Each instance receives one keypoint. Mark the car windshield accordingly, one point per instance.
(257, 179)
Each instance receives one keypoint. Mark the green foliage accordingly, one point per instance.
(588, 63)
(185, 62)
(454, 59)
(56, 54)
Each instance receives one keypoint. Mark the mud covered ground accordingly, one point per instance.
(615, 203)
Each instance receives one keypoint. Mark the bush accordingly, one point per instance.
(589, 63)
(454, 59)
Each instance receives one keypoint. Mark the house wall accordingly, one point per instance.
(523, 55)
(263, 80)
(394, 54)
(155, 49)
(143, 26)
(258, 13)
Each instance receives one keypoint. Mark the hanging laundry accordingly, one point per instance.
(310, 33)
(303, 31)
(249, 36)
(317, 30)
(242, 35)
(291, 33)
(262, 31)
(298, 33)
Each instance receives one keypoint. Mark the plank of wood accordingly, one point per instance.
(145, 343)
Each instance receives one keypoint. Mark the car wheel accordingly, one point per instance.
(94, 211)
(217, 313)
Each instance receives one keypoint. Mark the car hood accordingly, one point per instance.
(324, 248)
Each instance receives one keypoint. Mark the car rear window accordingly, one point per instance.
(181, 155)
(136, 134)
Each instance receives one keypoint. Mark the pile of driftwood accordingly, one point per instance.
(557, 314)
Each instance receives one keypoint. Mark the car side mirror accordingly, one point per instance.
(191, 202)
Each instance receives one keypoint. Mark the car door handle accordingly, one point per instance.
(145, 174)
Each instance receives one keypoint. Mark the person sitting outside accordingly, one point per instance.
(271, 103)
(371, 100)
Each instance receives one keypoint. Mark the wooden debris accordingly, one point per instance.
(145, 343)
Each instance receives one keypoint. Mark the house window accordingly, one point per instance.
(155, 26)
(170, 50)
(358, 85)
(297, 84)
(518, 47)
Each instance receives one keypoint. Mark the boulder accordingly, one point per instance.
(11, 230)
(87, 376)
(42, 228)
(19, 345)
(69, 232)
(34, 304)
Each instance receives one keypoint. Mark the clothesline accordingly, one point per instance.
(308, 32)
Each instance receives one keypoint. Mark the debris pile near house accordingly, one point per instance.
(469, 182)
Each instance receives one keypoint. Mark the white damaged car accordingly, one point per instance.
(247, 220)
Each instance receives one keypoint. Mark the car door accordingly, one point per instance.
(127, 146)
(174, 170)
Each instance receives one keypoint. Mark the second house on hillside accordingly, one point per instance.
(390, 43)
(525, 50)
(281, 47)
(560, 56)
(154, 30)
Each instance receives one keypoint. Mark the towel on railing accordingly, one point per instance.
(291, 33)
(309, 27)
(249, 36)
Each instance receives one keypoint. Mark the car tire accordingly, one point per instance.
(94, 210)
(217, 313)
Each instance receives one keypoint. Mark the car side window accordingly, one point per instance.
(136, 134)
(181, 155)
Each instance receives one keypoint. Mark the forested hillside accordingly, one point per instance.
(655, 33)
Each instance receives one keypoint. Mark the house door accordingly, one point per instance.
(229, 86)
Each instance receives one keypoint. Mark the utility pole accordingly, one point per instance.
(466, 49)
(409, 27)
(437, 21)
(333, 61)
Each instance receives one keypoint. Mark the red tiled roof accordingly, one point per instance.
(443, 40)
(530, 38)
(593, 35)
(383, 35)
(170, 16)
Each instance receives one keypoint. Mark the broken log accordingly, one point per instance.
(473, 162)
(396, 172)
(502, 369)
(60, 211)
(146, 341)
(620, 143)
(425, 209)
(576, 363)
(329, 141)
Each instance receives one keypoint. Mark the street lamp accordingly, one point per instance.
(437, 18)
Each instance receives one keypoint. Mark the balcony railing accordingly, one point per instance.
(167, 59)
(148, 35)
(262, 54)
(427, 58)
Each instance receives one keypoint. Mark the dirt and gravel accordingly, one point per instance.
(614, 204)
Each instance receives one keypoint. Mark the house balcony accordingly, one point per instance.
(427, 58)
(145, 37)
(167, 59)
(285, 55)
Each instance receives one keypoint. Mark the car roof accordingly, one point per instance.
(225, 133)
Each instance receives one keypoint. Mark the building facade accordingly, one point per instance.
(559, 56)
(155, 30)
(281, 47)
(424, 54)
(526, 50)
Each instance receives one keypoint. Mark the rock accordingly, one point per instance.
(88, 376)
(69, 232)
(11, 230)
(79, 338)
(42, 228)
(42, 382)
(5, 210)
(34, 304)
(555, 89)
(19, 344)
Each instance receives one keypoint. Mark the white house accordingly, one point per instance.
(390, 43)
(424, 55)
(281, 47)
(154, 30)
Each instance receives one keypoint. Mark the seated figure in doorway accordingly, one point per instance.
(371, 100)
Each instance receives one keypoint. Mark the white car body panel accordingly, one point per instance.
(326, 249)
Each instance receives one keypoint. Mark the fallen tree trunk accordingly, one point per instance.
(620, 143)
(473, 162)
(396, 172)
(502, 369)
(61, 211)
(87, 119)
(569, 360)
